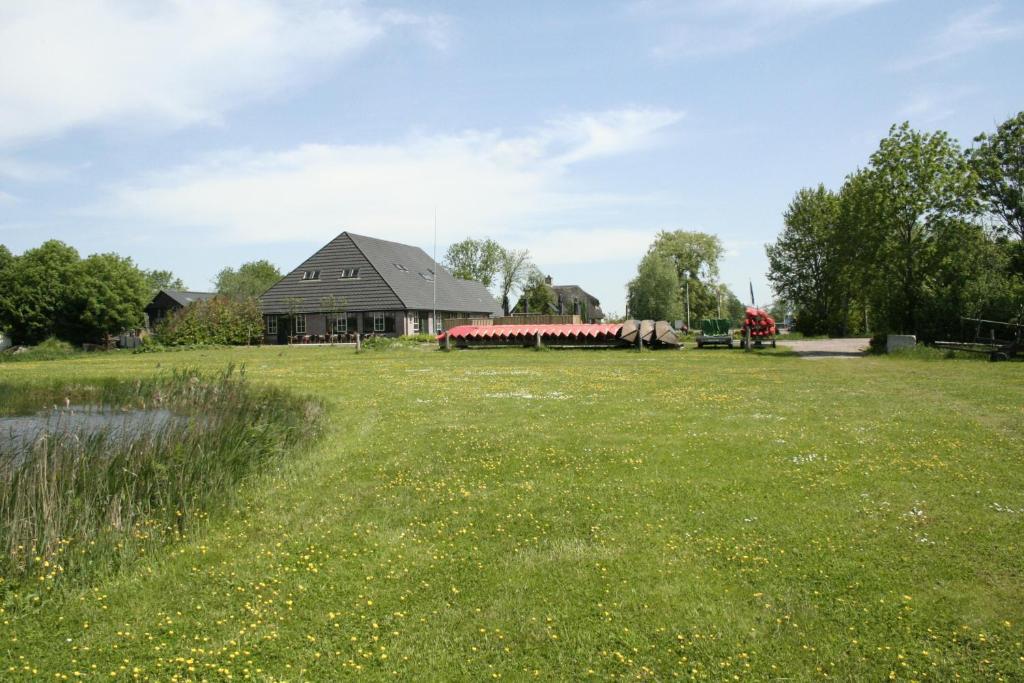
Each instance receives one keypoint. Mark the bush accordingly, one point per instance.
(219, 321)
(50, 349)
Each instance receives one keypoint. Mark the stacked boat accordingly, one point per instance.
(649, 333)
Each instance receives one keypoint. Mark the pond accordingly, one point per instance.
(18, 433)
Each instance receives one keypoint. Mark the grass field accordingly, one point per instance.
(559, 515)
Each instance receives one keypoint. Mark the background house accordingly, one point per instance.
(359, 284)
(567, 300)
(167, 301)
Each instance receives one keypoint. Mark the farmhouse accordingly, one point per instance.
(358, 284)
(567, 300)
(167, 301)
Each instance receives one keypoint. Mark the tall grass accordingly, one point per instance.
(74, 504)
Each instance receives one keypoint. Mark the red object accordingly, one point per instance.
(491, 331)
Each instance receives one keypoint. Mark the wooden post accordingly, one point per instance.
(447, 342)
(536, 341)
(359, 345)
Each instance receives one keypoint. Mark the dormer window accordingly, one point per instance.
(311, 275)
(400, 267)
(429, 277)
(349, 274)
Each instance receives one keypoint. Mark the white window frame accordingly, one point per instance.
(341, 323)
(415, 322)
(378, 322)
(349, 274)
(310, 275)
(271, 325)
(299, 317)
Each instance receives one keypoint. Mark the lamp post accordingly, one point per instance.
(687, 273)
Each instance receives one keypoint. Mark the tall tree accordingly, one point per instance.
(111, 297)
(804, 262)
(162, 279)
(35, 289)
(513, 271)
(998, 159)
(472, 259)
(654, 293)
(917, 196)
(695, 256)
(250, 280)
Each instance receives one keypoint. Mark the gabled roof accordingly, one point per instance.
(411, 274)
(567, 294)
(392, 276)
(186, 298)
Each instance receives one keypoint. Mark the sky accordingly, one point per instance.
(192, 136)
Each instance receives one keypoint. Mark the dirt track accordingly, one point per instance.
(826, 348)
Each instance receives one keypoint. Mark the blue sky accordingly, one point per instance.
(193, 136)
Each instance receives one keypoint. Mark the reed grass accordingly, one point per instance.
(76, 503)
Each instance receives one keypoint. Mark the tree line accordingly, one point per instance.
(925, 233)
(51, 291)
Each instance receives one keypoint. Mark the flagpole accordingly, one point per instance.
(434, 279)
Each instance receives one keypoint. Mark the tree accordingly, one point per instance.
(695, 256)
(537, 294)
(162, 279)
(472, 259)
(654, 293)
(111, 297)
(35, 289)
(915, 201)
(333, 306)
(514, 268)
(805, 264)
(999, 162)
(250, 280)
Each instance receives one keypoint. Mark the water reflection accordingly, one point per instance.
(82, 421)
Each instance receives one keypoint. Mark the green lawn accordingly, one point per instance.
(556, 515)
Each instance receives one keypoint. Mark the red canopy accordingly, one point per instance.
(490, 331)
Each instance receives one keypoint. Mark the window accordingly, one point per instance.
(400, 267)
(271, 325)
(378, 322)
(429, 277)
(415, 323)
(311, 275)
(299, 324)
(349, 273)
(341, 324)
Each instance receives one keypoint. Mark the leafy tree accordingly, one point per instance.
(111, 297)
(472, 259)
(538, 297)
(916, 199)
(35, 290)
(162, 279)
(250, 280)
(222, 320)
(514, 269)
(998, 160)
(695, 256)
(654, 293)
(806, 264)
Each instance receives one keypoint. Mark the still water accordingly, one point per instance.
(82, 421)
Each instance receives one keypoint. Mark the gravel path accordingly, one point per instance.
(827, 348)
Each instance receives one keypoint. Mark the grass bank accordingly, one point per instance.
(610, 514)
(76, 503)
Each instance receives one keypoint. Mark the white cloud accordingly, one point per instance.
(31, 171)
(481, 183)
(69, 64)
(964, 33)
(706, 27)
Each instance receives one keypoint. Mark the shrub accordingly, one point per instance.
(50, 349)
(219, 321)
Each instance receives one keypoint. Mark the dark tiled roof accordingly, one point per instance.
(566, 294)
(408, 271)
(186, 298)
(392, 276)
